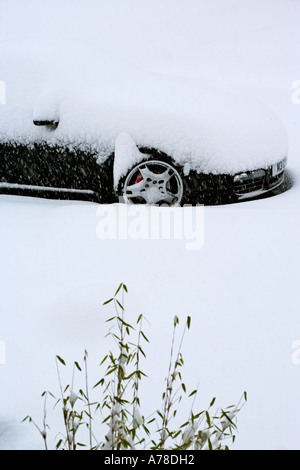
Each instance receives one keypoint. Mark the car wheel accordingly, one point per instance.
(153, 182)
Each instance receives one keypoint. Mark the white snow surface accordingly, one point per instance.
(241, 289)
(127, 155)
(97, 95)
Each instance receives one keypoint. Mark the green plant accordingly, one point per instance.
(119, 404)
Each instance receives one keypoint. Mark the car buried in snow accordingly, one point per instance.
(157, 141)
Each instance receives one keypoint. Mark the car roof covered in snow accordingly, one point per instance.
(97, 98)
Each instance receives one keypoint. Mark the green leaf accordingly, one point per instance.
(107, 301)
(145, 337)
(125, 443)
(58, 444)
(146, 429)
(140, 349)
(185, 424)
(101, 382)
(212, 402)
(192, 393)
(61, 360)
(25, 419)
(188, 322)
(110, 319)
(58, 401)
(120, 305)
(111, 370)
(151, 421)
(103, 360)
(87, 414)
(130, 375)
(118, 290)
(196, 416)
(227, 417)
(245, 396)
(83, 394)
(77, 365)
(124, 322)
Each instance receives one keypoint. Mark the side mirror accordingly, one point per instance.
(51, 124)
(46, 109)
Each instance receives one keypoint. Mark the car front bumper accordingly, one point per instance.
(255, 183)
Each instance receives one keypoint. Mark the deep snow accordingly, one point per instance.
(241, 288)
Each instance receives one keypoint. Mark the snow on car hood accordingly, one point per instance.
(202, 127)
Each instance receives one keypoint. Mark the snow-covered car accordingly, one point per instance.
(146, 137)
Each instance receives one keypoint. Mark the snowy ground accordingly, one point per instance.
(241, 288)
